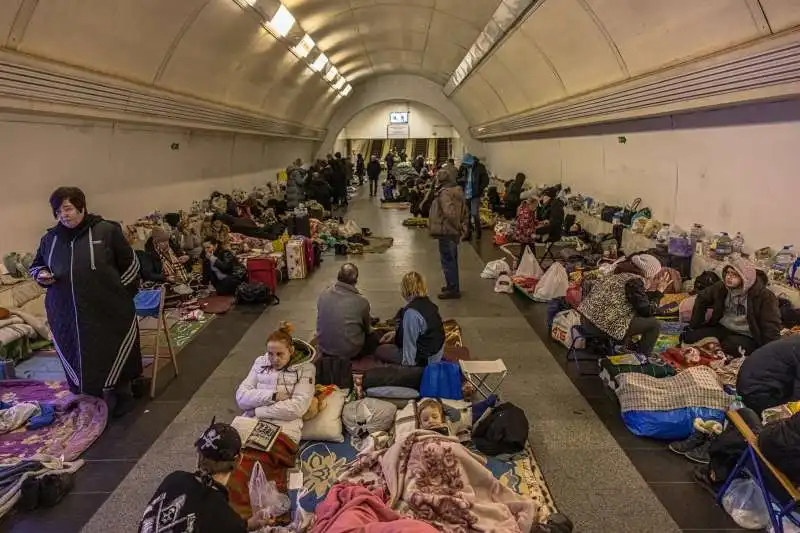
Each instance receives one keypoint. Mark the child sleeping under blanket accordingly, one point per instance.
(433, 478)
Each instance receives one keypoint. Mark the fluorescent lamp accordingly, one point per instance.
(331, 74)
(347, 90)
(339, 84)
(319, 63)
(282, 22)
(250, 3)
(304, 47)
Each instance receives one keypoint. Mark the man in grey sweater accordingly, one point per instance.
(343, 319)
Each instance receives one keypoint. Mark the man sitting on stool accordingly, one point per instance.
(343, 319)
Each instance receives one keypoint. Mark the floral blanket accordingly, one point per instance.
(434, 478)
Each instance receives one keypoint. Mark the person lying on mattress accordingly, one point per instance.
(199, 501)
(419, 336)
(278, 389)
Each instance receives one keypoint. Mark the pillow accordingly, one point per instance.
(390, 391)
(327, 425)
(405, 420)
(368, 415)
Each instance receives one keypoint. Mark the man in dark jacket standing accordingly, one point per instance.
(744, 315)
(91, 274)
(389, 162)
(373, 172)
(448, 223)
(474, 179)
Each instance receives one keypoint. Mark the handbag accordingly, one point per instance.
(630, 210)
(608, 212)
(254, 294)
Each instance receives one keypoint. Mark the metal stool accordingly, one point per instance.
(578, 332)
(479, 372)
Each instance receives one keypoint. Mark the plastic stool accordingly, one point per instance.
(578, 332)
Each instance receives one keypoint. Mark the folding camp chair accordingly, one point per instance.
(485, 376)
(548, 252)
(150, 304)
(753, 461)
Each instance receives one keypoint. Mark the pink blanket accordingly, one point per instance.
(433, 478)
(354, 509)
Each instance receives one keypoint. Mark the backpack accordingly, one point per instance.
(503, 430)
(255, 293)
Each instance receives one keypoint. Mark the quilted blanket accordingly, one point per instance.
(433, 478)
(694, 387)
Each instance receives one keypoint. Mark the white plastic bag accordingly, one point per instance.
(494, 268)
(529, 267)
(561, 330)
(504, 284)
(553, 284)
(745, 503)
(265, 499)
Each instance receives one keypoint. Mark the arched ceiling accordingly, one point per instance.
(217, 51)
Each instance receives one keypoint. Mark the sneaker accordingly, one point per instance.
(700, 453)
(449, 295)
(682, 447)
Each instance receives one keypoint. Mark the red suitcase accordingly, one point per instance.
(308, 251)
(263, 270)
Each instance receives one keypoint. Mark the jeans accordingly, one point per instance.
(474, 207)
(373, 186)
(731, 343)
(448, 254)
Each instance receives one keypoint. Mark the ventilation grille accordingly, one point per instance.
(40, 86)
(775, 67)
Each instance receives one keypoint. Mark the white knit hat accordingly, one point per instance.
(649, 264)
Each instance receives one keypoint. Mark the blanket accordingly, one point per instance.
(21, 324)
(704, 352)
(694, 387)
(430, 477)
(350, 508)
(79, 421)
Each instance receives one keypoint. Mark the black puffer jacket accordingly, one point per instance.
(771, 374)
(780, 443)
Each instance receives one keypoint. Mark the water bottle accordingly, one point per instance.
(696, 233)
(724, 246)
(663, 233)
(784, 259)
(736, 404)
(738, 243)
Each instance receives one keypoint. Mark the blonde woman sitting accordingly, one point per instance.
(418, 338)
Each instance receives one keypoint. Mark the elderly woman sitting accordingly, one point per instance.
(419, 336)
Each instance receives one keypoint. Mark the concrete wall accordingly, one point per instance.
(423, 122)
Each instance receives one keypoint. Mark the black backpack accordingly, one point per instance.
(254, 294)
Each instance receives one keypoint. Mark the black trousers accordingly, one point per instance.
(732, 343)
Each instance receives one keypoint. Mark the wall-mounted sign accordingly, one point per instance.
(398, 117)
(397, 131)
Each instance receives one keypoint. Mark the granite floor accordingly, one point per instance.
(590, 465)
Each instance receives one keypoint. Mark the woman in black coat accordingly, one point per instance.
(221, 268)
(91, 274)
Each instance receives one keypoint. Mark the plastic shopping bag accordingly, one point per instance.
(745, 503)
(529, 267)
(553, 284)
(561, 330)
(265, 498)
(504, 284)
(494, 268)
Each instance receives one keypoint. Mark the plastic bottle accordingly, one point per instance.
(784, 259)
(696, 233)
(738, 242)
(736, 404)
(724, 246)
(663, 233)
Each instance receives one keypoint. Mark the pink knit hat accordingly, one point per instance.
(650, 265)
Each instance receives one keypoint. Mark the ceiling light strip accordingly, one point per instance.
(507, 14)
(285, 28)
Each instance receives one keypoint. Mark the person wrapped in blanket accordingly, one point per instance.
(745, 313)
(278, 389)
(221, 268)
(618, 305)
(419, 336)
(198, 501)
(160, 263)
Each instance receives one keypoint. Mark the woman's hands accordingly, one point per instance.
(387, 338)
(45, 277)
(282, 395)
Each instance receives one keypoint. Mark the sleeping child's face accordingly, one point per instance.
(431, 416)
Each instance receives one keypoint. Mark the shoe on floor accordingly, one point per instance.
(125, 403)
(53, 488)
(700, 454)
(449, 295)
(702, 431)
(140, 387)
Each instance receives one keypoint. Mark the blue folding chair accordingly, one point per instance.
(150, 304)
(753, 460)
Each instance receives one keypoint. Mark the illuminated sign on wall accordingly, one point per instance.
(398, 117)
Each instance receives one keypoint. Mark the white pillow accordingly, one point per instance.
(405, 420)
(327, 425)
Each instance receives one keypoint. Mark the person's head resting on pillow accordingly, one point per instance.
(430, 416)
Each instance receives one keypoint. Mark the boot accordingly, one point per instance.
(695, 440)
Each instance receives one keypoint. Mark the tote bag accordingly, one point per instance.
(441, 380)
(529, 267)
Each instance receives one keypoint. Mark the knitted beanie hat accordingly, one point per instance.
(649, 264)
(159, 236)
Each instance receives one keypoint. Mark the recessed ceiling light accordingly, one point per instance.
(304, 47)
(282, 21)
(347, 90)
(339, 84)
(331, 74)
(319, 63)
